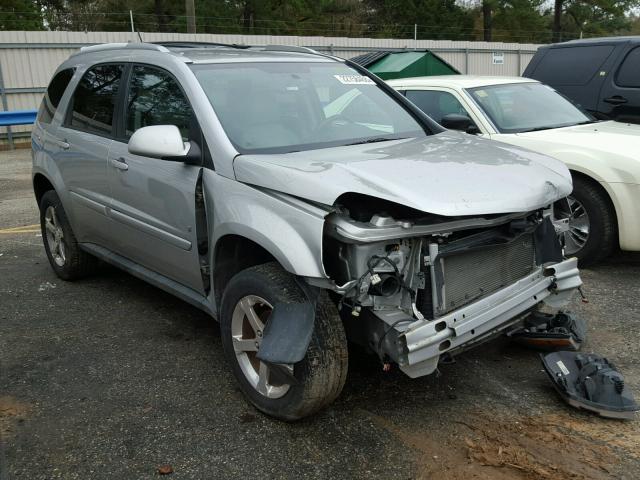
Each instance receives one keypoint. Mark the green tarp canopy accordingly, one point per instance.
(411, 63)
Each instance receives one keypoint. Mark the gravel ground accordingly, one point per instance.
(112, 378)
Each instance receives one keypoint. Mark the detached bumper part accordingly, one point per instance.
(590, 382)
(426, 340)
(543, 331)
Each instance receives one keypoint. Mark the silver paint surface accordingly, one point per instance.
(450, 174)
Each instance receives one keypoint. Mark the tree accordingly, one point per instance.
(20, 15)
(492, 20)
(521, 21)
(509, 20)
(574, 18)
(436, 19)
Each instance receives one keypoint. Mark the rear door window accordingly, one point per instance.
(94, 100)
(155, 98)
(629, 72)
(571, 65)
(53, 95)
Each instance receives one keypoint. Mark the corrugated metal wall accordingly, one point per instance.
(28, 59)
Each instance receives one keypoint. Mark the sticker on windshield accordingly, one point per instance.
(481, 93)
(354, 80)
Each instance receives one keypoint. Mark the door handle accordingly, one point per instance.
(119, 163)
(616, 100)
(63, 144)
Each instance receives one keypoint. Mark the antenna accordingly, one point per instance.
(139, 36)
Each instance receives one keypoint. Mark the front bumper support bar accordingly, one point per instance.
(426, 340)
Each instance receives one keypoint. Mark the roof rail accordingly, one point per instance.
(187, 44)
(165, 46)
(289, 48)
(117, 46)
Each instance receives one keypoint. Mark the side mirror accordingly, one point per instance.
(462, 123)
(163, 142)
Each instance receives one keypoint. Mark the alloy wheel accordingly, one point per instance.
(248, 321)
(576, 237)
(55, 236)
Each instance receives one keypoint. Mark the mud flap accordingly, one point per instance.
(288, 333)
(545, 331)
(590, 382)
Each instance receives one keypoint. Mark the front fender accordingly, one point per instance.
(288, 228)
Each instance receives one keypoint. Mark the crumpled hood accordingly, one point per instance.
(448, 174)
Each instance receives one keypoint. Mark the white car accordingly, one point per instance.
(603, 156)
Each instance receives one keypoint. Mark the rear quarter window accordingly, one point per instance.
(54, 93)
(629, 72)
(571, 65)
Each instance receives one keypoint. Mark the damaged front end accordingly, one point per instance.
(415, 287)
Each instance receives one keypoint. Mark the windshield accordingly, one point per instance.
(522, 107)
(287, 107)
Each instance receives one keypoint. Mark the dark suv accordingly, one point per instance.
(602, 75)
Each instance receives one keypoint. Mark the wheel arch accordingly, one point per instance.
(602, 186)
(233, 253)
(41, 185)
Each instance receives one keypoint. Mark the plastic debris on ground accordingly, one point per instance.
(544, 331)
(591, 382)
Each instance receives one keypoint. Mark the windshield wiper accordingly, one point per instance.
(586, 122)
(536, 129)
(549, 127)
(374, 140)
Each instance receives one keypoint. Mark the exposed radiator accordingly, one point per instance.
(468, 275)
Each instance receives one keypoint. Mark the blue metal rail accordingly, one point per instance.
(17, 117)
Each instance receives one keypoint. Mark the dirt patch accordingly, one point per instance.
(622, 435)
(11, 412)
(492, 446)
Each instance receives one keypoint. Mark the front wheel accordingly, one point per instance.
(247, 303)
(592, 224)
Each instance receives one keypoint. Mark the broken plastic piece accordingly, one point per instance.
(545, 331)
(591, 382)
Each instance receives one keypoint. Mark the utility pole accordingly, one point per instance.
(191, 16)
(556, 35)
(487, 20)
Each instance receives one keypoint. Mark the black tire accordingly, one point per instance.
(603, 237)
(77, 263)
(322, 372)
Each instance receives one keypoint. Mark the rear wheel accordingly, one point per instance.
(65, 256)
(592, 223)
(247, 304)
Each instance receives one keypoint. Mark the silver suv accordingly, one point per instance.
(300, 201)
